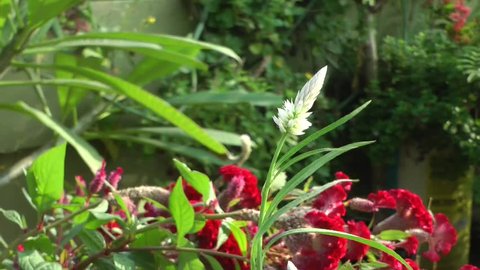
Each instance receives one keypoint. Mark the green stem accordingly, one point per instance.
(35, 231)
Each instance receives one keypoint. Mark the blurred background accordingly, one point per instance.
(417, 60)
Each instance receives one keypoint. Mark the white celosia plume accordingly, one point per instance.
(292, 117)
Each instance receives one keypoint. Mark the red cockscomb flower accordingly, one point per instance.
(394, 264)
(331, 200)
(250, 195)
(115, 177)
(411, 213)
(190, 192)
(323, 252)
(410, 245)
(443, 238)
(356, 251)
(382, 199)
(342, 176)
(20, 248)
(469, 267)
(99, 179)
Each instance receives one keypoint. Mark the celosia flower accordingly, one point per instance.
(394, 264)
(115, 177)
(343, 176)
(411, 213)
(80, 185)
(249, 194)
(99, 180)
(469, 267)
(442, 240)
(382, 199)
(331, 200)
(323, 252)
(410, 245)
(292, 117)
(20, 248)
(191, 193)
(356, 251)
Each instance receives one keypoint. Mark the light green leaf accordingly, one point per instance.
(149, 101)
(45, 178)
(123, 262)
(32, 260)
(214, 264)
(393, 235)
(344, 235)
(150, 238)
(189, 261)
(198, 224)
(346, 266)
(372, 265)
(182, 212)
(240, 237)
(123, 206)
(40, 243)
(40, 11)
(62, 84)
(15, 217)
(83, 148)
(256, 99)
(93, 241)
(199, 181)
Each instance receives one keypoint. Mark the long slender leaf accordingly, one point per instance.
(344, 235)
(321, 132)
(83, 148)
(303, 156)
(257, 99)
(163, 40)
(147, 100)
(85, 84)
(40, 11)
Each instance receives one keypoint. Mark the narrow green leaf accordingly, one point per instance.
(189, 261)
(372, 265)
(344, 235)
(14, 217)
(240, 237)
(40, 11)
(62, 84)
(214, 264)
(45, 178)
(346, 266)
(83, 148)
(321, 132)
(123, 206)
(393, 235)
(256, 99)
(199, 181)
(182, 212)
(149, 101)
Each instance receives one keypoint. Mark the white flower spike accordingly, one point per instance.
(291, 266)
(292, 117)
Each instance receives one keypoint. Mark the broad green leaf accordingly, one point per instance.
(40, 11)
(40, 243)
(93, 241)
(4, 11)
(214, 264)
(344, 235)
(392, 235)
(15, 217)
(199, 181)
(240, 237)
(189, 261)
(45, 178)
(149, 101)
(98, 219)
(256, 99)
(83, 148)
(123, 262)
(32, 260)
(165, 41)
(182, 212)
(198, 225)
(150, 238)
(320, 133)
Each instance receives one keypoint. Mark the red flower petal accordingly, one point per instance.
(356, 251)
(443, 238)
(331, 200)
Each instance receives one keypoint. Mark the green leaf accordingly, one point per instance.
(189, 261)
(5, 10)
(73, 232)
(123, 206)
(165, 41)
(182, 212)
(240, 237)
(149, 101)
(40, 243)
(45, 178)
(123, 262)
(93, 241)
(32, 260)
(40, 11)
(150, 238)
(372, 265)
(320, 133)
(256, 99)
(346, 266)
(198, 225)
(214, 264)
(393, 235)
(344, 235)
(98, 219)
(15, 217)
(62, 84)
(83, 148)
(199, 181)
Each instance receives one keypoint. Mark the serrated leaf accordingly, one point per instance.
(189, 261)
(393, 235)
(14, 217)
(182, 212)
(45, 178)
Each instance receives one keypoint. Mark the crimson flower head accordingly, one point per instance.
(469, 267)
(411, 213)
(115, 177)
(244, 183)
(396, 265)
(356, 251)
(99, 180)
(443, 238)
(410, 245)
(323, 252)
(342, 176)
(331, 200)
